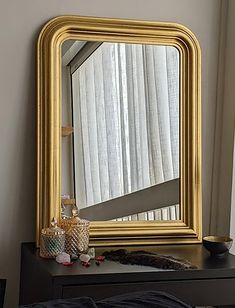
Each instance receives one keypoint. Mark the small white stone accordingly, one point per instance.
(63, 257)
(84, 258)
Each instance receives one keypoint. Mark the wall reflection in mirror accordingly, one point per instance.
(121, 131)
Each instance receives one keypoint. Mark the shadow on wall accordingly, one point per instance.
(232, 221)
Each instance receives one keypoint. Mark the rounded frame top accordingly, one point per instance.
(71, 25)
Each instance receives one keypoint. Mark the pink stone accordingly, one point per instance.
(63, 258)
(84, 258)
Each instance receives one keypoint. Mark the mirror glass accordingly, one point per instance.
(121, 131)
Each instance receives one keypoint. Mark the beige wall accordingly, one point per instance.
(228, 130)
(20, 22)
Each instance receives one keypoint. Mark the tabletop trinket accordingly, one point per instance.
(218, 246)
(76, 233)
(52, 241)
(74, 257)
(63, 257)
(100, 258)
(67, 263)
(84, 258)
(91, 252)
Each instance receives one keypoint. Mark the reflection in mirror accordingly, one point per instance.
(120, 117)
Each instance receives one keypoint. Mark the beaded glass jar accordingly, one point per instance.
(76, 233)
(52, 241)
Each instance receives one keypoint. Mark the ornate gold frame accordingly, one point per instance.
(54, 33)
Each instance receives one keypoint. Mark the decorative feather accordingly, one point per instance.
(148, 259)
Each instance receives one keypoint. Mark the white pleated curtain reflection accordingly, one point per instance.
(126, 115)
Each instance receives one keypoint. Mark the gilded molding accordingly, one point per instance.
(53, 34)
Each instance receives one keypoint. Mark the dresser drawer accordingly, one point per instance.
(194, 292)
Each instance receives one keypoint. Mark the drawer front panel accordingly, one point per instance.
(194, 292)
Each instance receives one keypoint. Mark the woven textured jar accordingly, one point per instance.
(76, 233)
(52, 241)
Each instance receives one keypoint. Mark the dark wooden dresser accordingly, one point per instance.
(212, 283)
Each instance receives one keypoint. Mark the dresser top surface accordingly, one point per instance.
(207, 267)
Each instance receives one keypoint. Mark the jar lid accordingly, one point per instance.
(54, 229)
(75, 220)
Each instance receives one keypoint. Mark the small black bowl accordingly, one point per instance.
(218, 246)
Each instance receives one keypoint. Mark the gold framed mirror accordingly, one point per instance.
(119, 129)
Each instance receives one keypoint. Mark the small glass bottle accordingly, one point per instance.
(52, 241)
(76, 233)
